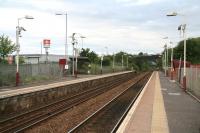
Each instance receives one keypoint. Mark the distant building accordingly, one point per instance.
(38, 58)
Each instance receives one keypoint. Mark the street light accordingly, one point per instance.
(66, 49)
(172, 54)
(113, 62)
(122, 61)
(166, 57)
(165, 46)
(74, 41)
(102, 63)
(182, 28)
(172, 14)
(18, 34)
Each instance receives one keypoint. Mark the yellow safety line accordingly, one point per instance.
(159, 119)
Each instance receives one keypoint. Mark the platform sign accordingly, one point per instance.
(46, 43)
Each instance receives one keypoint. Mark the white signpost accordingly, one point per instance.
(46, 45)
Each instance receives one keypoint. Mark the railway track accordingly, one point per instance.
(108, 118)
(26, 120)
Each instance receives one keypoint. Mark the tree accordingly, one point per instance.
(6, 46)
(92, 56)
(193, 48)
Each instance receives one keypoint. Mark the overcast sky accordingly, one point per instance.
(132, 26)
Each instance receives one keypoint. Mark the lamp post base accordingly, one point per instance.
(17, 78)
(184, 83)
(75, 74)
(172, 75)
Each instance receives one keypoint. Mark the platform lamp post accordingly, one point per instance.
(165, 63)
(122, 61)
(127, 61)
(66, 49)
(182, 28)
(172, 57)
(73, 43)
(18, 34)
(166, 57)
(113, 65)
(102, 64)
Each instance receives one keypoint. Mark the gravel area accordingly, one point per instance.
(67, 120)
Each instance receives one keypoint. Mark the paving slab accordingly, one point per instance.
(183, 111)
(148, 112)
(162, 107)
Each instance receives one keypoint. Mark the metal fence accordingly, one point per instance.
(192, 79)
(36, 73)
(29, 73)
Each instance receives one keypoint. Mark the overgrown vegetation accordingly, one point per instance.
(140, 62)
(6, 47)
(192, 51)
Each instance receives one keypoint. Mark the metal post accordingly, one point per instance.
(101, 64)
(113, 62)
(18, 49)
(172, 70)
(66, 53)
(46, 51)
(184, 69)
(73, 43)
(165, 61)
(73, 62)
(122, 62)
(76, 55)
(127, 63)
(41, 48)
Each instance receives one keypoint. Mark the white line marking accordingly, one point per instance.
(174, 94)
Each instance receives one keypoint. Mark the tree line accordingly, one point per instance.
(192, 50)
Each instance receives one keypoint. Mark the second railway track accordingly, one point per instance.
(108, 118)
(26, 120)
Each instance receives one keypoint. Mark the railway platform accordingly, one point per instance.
(13, 91)
(162, 107)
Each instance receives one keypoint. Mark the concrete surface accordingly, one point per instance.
(163, 107)
(183, 111)
(149, 115)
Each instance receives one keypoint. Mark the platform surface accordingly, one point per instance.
(162, 107)
(183, 111)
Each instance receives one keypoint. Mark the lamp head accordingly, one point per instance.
(172, 14)
(83, 37)
(59, 14)
(165, 37)
(28, 17)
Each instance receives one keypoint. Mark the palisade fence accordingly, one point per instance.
(29, 73)
(35, 73)
(192, 79)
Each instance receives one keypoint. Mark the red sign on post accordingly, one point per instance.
(46, 43)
